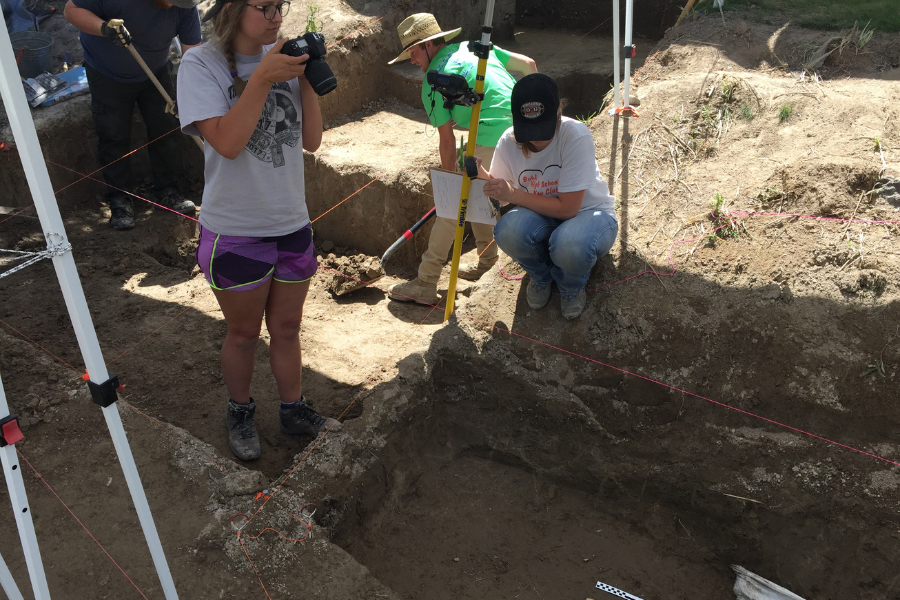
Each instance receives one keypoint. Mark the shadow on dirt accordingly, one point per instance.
(166, 353)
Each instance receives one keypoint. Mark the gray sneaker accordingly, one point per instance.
(122, 213)
(241, 430)
(574, 307)
(172, 198)
(300, 419)
(537, 295)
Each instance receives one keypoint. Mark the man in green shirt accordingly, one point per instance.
(427, 47)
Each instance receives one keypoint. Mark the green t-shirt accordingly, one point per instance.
(495, 115)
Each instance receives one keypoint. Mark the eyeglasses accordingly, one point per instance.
(268, 10)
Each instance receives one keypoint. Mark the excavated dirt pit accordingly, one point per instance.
(497, 456)
(525, 474)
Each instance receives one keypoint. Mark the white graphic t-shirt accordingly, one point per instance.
(566, 165)
(261, 192)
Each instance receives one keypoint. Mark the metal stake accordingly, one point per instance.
(617, 50)
(22, 512)
(8, 583)
(629, 15)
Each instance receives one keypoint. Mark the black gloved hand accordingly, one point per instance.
(119, 37)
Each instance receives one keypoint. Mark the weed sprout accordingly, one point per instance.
(785, 112)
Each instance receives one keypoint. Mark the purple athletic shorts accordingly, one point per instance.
(237, 263)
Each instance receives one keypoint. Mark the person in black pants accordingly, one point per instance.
(117, 83)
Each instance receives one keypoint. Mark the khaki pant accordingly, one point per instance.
(444, 232)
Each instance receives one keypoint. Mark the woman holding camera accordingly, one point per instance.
(257, 113)
(564, 218)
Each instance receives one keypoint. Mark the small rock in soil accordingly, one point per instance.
(243, 483)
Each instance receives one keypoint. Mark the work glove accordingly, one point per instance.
(119, 37)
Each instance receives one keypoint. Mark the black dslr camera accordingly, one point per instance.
(454, 88)
(318, 73)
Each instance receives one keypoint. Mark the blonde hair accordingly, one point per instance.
(528, 147)
(226, 24)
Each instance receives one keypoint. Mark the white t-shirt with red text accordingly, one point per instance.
(568, 164)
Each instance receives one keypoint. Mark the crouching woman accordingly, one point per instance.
(564, 216)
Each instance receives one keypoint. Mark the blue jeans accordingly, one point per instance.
(555, 250)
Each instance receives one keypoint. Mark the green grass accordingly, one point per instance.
(747, 112)
(785, 112)
(882, 15)
(587, 119)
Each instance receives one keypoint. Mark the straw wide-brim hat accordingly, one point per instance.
(419, 28)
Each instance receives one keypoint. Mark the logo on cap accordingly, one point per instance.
(532, 110)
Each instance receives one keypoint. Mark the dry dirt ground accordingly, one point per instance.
(509, 453)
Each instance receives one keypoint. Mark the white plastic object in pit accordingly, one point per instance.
(750, 586)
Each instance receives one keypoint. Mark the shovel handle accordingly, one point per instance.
(408, 234)
(170, 104)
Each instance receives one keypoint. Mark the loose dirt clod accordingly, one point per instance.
(353, 272)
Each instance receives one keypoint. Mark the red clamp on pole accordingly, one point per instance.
(630, 51)
(9, 431)
(627, 111)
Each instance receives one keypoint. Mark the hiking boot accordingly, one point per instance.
(300, 419)
(415, 291)
(122, 213)
(241, 430)
(574, 307)
(172, 198)
(474, 272)
(537, 295)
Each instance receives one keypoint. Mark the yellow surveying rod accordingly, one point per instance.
(483, 51)
(118, 24)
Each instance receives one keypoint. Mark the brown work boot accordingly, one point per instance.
(415, 291)
(474, 272)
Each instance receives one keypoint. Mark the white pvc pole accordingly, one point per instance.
(629, 14)
(45, 202)
(8, 583)
(19, 500)
(617, 49)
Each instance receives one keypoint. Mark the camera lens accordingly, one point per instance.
(320, 76)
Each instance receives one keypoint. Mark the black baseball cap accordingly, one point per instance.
(214, 10)
(535, 103)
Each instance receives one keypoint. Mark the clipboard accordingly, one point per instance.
(447, 186)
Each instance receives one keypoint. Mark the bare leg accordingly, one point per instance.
(243, 314)
(284, 311)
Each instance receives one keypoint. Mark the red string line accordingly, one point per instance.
(370, 380)
(127, 154)
(39, 346)
(147, 336)
(347, 198)
(83, 177)
(16, 214)
(253, 566)
(354, 31)
(730, 223)
(169, 431)
(802, 216)
(130, 580)
(721, 404)
(123, 191)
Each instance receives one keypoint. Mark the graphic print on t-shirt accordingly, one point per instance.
(541, 183)
(279, 125)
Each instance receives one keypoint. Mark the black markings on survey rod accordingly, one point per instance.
(464, 204)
